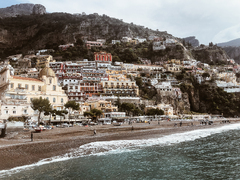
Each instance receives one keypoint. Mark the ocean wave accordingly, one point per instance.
(119, 146)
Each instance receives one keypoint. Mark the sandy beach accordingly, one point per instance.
(18, 150)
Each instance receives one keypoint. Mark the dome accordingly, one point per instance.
(47, 71)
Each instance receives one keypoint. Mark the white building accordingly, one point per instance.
(116, 41)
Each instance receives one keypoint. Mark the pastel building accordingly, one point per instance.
(21, 90)
(119, 85)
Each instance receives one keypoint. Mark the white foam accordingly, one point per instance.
(119, 146)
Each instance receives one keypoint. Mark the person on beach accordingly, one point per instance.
(180, 123)
(94, 132)
(132, 128)
(31, 136)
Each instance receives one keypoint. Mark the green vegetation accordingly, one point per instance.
(146, 90)
(71, 105)
(41, 105)
(21, 118)
(130, 108)
(153, 111)
(94, 114)
(212, 99)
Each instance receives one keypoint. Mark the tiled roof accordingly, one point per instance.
(25, 78)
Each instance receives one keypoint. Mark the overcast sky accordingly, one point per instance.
(209, 20)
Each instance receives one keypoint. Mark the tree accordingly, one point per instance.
(50, 112)
(42, 105)
(205, 75)
(137, 112)
(139, 81)
(154, 112)
(71, 105)
(118, 103)
(61, 113)
(238, 75)
(94, 114)
(179, 76)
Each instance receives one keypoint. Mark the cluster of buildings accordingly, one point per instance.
(99, 83)
(92, 84)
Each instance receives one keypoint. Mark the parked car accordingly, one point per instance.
(65, 125)
(93, 123)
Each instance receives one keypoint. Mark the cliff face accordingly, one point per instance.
(210, 54)
(233, 53)
(22, 9)
(192, 40)
(180, 105)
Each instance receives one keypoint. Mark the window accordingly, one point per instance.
(54, 87)
(14, 112)
(39, 88)
(12, 85)
(19, 85)
(47, 98)
(33, 87)
(6, 111)
(50, 81)
(61, 100)
(26, 86)
(54, 99)
(25, 111)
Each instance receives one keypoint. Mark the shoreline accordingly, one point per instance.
(18, 150)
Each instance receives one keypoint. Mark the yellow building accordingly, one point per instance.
(173, 68)
(100, 104)
(43, 61)
(174, 61)
(119, 85)
(116, 71)
(46, 87)
(167, 108)
(16, 99)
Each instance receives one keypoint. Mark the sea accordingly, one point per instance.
(212, 153)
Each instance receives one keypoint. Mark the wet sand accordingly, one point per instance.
(18, 150)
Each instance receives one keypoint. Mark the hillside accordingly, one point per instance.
(24, 33)
(47, 31)
(210, 54)
(233, 43)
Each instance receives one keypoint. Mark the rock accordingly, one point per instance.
(22, 9)
(39, 9)
(192, 40)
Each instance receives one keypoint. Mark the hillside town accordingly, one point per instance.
(119, 90)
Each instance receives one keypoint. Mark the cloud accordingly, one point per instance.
(227, 34)
(182, 18)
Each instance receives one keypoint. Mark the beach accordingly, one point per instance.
(17, 149)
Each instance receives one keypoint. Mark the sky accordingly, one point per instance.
(208, 20)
